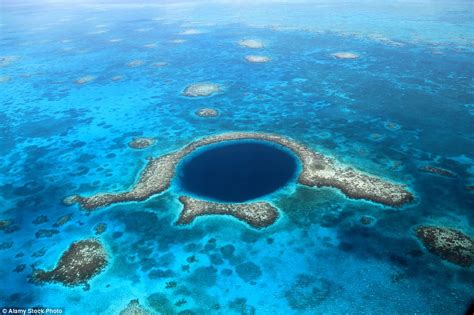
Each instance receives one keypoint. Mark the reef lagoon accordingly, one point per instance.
(249, 157)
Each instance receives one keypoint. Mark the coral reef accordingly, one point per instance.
(437, 171)
(207, 112)
(39, 253)
(449, 244)
(63, 220)
(40, 219)
(366, 220)
(7, 60)
(100, 228)
(135, 63)
(134, 308)
(5, 224)
(248, 271)
(141, 143)
(317, 170)
(251, 43)
(201, 89)
(257, 59)
(227, 251)
(307, 292)
(171, 284)
(79, 263)
(160, 303)
(117, 78)
(345, 55)
(256, 214)
(6, 245)
(86, 79)
(159, 64)
(43, 233)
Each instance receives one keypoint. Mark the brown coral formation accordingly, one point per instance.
(134, 308)
(4, 224)
(317, 170)
(100, 228)
(449, 244)
(8, 226)
(86, 79)
(201, 89)
(40, 219)
(79, 263)
(437, 171)
(141, 143)
(63, 220)
(207, 112)
(366, 220)
(43, 233)
(256, 214)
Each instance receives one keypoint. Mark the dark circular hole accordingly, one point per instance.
(237, 171)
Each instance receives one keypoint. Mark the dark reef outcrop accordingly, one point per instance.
(46, 233)
(63, 220)
(207, 112)
(449, 244)
(100, 228)
(256, 214)
(248, 271)
(366, 220)
(5, 224)
(437, 171)
(134, 308)
(308, 292)
(77, 265)
(40, 220)
(141, 143)
(201, 89)
(6, 245)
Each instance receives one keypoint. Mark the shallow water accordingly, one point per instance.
(83, 82)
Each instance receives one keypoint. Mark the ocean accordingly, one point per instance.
(80, 80)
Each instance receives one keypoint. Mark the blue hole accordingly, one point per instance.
(237, 171)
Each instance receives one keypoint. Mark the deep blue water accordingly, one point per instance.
(237, 172)
(407, 102)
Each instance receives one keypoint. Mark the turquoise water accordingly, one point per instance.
(405, 103)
